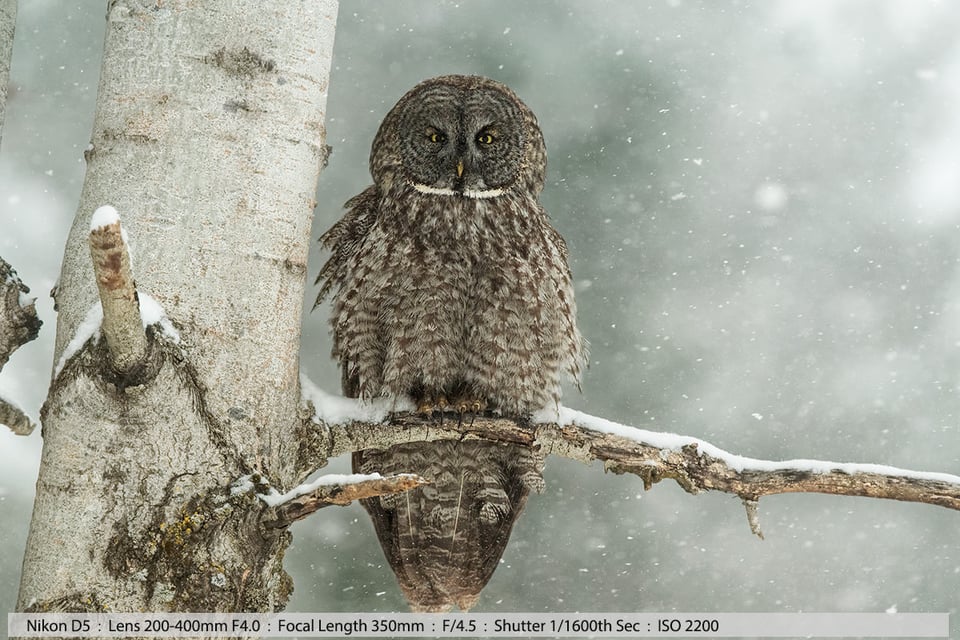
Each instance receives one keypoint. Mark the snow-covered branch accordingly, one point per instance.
(693, 463)
(122, 327)
(301, 501)
(19, 324)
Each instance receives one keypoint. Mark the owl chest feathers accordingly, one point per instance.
(450, 249)
(452, 289)
(444, 218)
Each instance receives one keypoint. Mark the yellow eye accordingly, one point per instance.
(436, 137)
(485, 138)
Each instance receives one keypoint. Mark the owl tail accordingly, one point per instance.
(444, 541)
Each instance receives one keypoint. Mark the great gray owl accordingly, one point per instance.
(451, 288)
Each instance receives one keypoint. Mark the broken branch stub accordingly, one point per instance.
(122, 325)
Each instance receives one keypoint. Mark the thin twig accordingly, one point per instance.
(288, 512)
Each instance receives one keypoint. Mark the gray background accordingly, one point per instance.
(762, 207)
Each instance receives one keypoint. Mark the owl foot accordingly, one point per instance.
(468, 405)
(462, 404)
(471, 406)
(430, 405)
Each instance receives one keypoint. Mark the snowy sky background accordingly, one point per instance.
(762, 204)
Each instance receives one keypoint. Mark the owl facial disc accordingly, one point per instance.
(457, 136)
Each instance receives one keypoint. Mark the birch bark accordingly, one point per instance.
(8, 19)
(208, 140)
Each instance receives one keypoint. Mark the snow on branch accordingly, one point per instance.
(122, 326)
(19, 324)
(696, 465)
(152, 313)
(301, 501)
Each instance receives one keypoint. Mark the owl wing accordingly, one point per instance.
(575, 348)
(344, 238)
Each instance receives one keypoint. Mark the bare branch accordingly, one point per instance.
(19, 324)
(122, 326)
(289, 511)
(15, 418)
(695, 464)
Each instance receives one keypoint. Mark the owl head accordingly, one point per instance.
(460, 136)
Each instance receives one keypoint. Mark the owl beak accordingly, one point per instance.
(459, 168)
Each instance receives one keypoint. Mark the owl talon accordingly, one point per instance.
(442, 406)
(470, 406)
(430, 406)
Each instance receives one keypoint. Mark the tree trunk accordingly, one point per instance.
(8, 20)
(208, 140)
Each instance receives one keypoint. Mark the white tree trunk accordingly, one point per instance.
(208, 140)
(8, 20)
